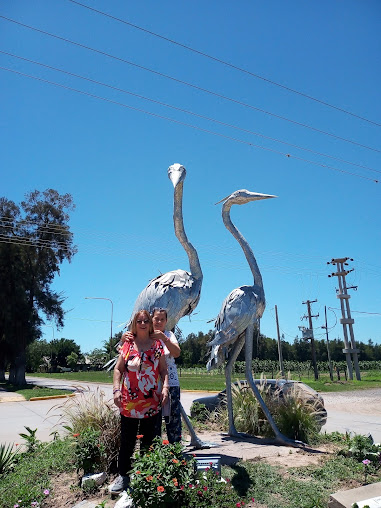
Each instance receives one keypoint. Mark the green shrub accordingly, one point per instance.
(8, 457)
(90, 409)
(166, 477)
(89, 451)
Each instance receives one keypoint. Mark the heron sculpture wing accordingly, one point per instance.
(177, 291)
(237, 312)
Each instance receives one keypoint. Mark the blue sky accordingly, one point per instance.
(114, 160)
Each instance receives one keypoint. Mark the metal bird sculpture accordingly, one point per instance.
(177, 291)
(239, 315)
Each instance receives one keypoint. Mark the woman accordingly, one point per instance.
(140, 364)
(171, 350)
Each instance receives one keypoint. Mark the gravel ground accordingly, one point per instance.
(366, 402)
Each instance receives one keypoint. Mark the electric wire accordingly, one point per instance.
(236, 101)
(229, 64)
(187, 111)
(185, 124)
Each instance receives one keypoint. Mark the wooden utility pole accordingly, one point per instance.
(280, 354)
(328, 351)
(346, 320)
(309, 334)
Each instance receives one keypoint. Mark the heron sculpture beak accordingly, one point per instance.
(176, 174)
(243, 196)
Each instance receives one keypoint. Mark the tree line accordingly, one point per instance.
(194, 349)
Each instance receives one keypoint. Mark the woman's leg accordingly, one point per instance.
(129, 430)
(174, 425)
(149, 429)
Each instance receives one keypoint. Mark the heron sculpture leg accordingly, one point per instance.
(279, 437)
(195, 440)
(228, 375)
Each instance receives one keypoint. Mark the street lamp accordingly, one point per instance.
(112, 310)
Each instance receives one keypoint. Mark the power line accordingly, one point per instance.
(360, 312)
(229, 64)
(190, 84)
(189, 125)
(187, 111)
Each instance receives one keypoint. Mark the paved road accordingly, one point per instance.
(358, 412)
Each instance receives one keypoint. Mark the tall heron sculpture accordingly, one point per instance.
(239, 315)
(177, 291)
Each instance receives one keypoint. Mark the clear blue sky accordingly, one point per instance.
(114, 160)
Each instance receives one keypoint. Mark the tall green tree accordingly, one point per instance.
(35, 239)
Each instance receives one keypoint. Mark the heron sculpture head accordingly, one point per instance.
(176, 174)
(242, 196)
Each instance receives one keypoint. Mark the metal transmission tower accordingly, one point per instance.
(308, 334)
(346, 320)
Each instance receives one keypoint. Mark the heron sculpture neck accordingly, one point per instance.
(194, 262)
(243, 243)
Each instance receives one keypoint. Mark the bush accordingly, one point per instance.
(296, 418)
(166, 477)
(90, 410)
(89, 451)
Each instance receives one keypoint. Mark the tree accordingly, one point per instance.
(61, 349)
(72, 360)
(35, 239)
(35, 353)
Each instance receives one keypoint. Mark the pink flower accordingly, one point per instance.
(238, 505)
(46, 492)
(366, 462)
(190, 486)
(253, 500)
(16, 506)
(205, 488)
(228, 480)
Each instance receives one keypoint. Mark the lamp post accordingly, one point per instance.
(112, 310)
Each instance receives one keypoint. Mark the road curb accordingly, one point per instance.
(48, 397)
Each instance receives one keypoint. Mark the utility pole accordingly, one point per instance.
(328, 351)
(280, 354)
(346, 320)
(308, 333)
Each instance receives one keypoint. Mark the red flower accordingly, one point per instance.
(238, 505)
(75, 435)
(149, 478)
(182, 487)
(190, 486)
(165, 441)
(175, 461)
(253, 500)
(137, 472)
(205, 488)
(139, 436)
(160, 488)
(228, 480)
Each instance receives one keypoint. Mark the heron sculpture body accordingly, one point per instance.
(177, 291)
(239, 315)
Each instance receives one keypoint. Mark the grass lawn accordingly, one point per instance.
(47, 475)
(199, 380)
(30, 391)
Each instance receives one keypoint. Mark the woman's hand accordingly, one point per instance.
(118, 398)
(127, 336)
(159, 335)
(164, 396)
